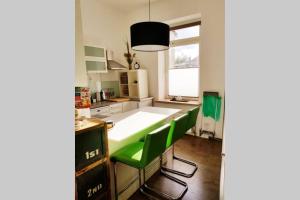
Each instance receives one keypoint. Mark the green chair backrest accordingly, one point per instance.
(177, 130)
(192, 117)
(155, 144)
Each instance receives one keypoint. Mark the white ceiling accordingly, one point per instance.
(127, 5)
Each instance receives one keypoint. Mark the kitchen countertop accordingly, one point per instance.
(108, 102)
(102, 104)
(142, 99)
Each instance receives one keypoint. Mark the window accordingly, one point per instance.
(183, 61)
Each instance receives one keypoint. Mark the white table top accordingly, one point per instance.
(130, 126)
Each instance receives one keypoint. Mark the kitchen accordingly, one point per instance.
(125, 92)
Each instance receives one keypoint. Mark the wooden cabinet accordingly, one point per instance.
(92, 161)
(134, 83)
(95, 59)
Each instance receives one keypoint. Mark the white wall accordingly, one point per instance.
(80, 70)
(212, 56)
(104, 25)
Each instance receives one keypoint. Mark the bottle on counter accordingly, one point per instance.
(98, 98)
(101, 95)
(91, 99)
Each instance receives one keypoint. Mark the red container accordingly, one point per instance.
(82, 97)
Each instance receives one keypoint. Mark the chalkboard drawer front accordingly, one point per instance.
(89, 147)
(103, 197)
(92, 184)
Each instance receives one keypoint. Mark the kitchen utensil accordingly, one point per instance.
(110, 124)
(98, 86)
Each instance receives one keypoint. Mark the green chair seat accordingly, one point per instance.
(140, 154)
(131, 155)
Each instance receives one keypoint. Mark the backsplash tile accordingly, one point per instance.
(111, 84)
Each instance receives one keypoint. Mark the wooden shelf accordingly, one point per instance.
(82, 171)
(87, 124)
(136, 83)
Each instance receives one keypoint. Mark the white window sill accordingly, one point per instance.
(194, 103)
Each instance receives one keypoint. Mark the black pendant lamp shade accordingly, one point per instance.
(150, 36)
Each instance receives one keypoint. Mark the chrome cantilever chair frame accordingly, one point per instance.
(143, 187)
(163, 194)
(187, 175)
(178, 123)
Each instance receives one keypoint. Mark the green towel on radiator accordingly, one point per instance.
(209, 107)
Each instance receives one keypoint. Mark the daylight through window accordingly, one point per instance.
(183, 61)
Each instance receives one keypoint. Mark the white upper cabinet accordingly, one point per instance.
(95, 59)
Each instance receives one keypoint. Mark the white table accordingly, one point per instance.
(131, 126)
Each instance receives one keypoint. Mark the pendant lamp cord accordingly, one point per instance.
(149, 10)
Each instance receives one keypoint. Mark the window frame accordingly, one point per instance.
(182, 42)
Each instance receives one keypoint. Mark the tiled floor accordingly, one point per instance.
(204, 185)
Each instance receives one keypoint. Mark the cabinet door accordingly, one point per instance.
(142, 84)
(133, 84)
(145, 103)
(116, 108)
(94, 51)
(100, 111)
(95, 59)
(130, 105)
(94, 65)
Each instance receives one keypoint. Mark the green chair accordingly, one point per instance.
(140, 154)
(177, 131)
(192, 119)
